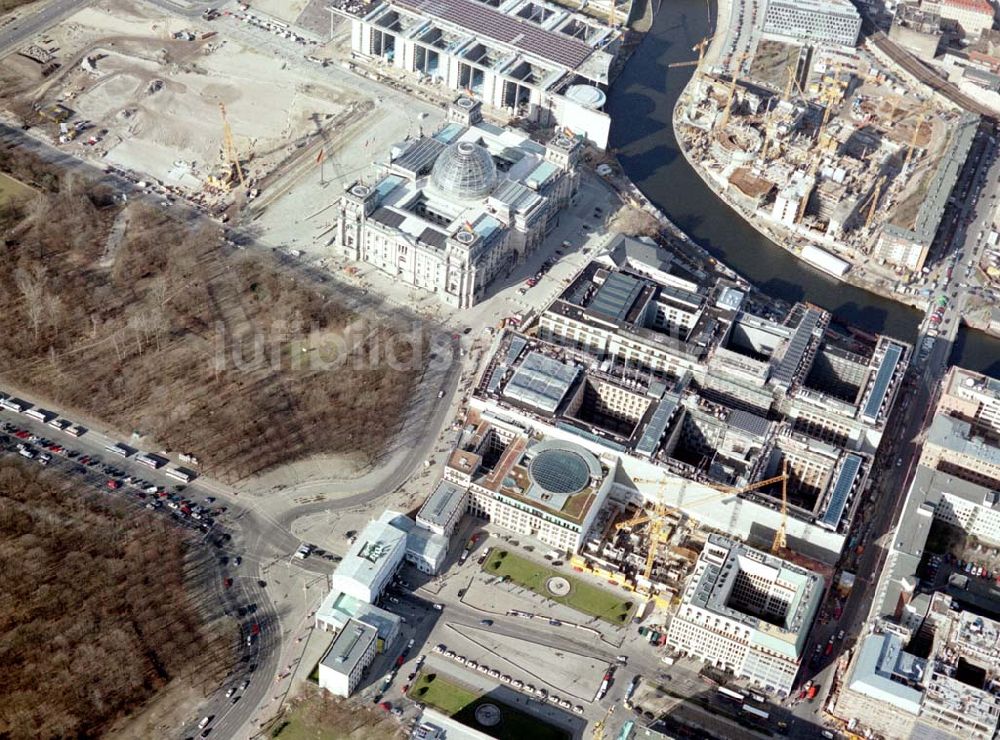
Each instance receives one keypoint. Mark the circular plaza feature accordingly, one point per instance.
(557, 586)
(488, 715)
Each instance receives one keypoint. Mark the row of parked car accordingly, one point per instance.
(40, 449)
(518, 684)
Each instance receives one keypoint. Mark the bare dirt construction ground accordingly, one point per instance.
(318, 715)
(148, 323)
(152, 100)
(772, 62)
(107, 608)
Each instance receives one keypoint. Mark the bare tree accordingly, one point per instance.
(31, 283)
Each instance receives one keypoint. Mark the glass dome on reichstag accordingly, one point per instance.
(464, 170)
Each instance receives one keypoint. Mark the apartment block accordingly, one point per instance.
(748, 612)
(834, 22)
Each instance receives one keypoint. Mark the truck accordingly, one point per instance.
(811, 693)
(605, 685)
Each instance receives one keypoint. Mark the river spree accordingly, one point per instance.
(641, 103)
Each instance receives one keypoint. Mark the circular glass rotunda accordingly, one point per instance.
(465, 171)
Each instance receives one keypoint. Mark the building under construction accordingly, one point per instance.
(834, 155)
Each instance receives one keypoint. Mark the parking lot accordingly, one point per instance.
(135, 489)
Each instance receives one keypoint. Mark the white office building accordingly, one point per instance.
(371, 562)
(748, 612)
(833, 22)
(352, 651)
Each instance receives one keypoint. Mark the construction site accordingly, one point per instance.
(178, 104)
(827, 153)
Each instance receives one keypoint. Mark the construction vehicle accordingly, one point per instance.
(599, 725)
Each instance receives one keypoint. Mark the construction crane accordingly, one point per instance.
(229, 148)
(832, 94)
(793, 81)
(876, 192)
(780, 543)
(700, 48)
(767, 137)
(599, 725)
(656, 516)
(732, 91)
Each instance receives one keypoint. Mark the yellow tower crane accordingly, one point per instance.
(788, 85)
(732, 91)
(700, 48)
(657, 515)
(229, 148)
(779, 544)
(873, 206)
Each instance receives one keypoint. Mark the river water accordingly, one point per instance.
(641, 102)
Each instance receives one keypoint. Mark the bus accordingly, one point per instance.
(730, 694)
(38, 414)
(182, 474)
(14, 404)
(150, 461)
(118, 449)
(759, 713)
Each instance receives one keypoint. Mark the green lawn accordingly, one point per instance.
(460, 703)
(582, 596)
(450, 698)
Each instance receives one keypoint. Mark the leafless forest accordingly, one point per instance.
(98, 610)
(151, 323)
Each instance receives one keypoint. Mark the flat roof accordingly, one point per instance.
(653, 433)
(713, 585)
(484, 21)
(957, 435)
(339, 608)
(873, 670)
(886, 369)
(849, 471)
(541, 381)
(349, 646)
(615, 297)
(784, 373)
(440, 506)
(369, 555)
